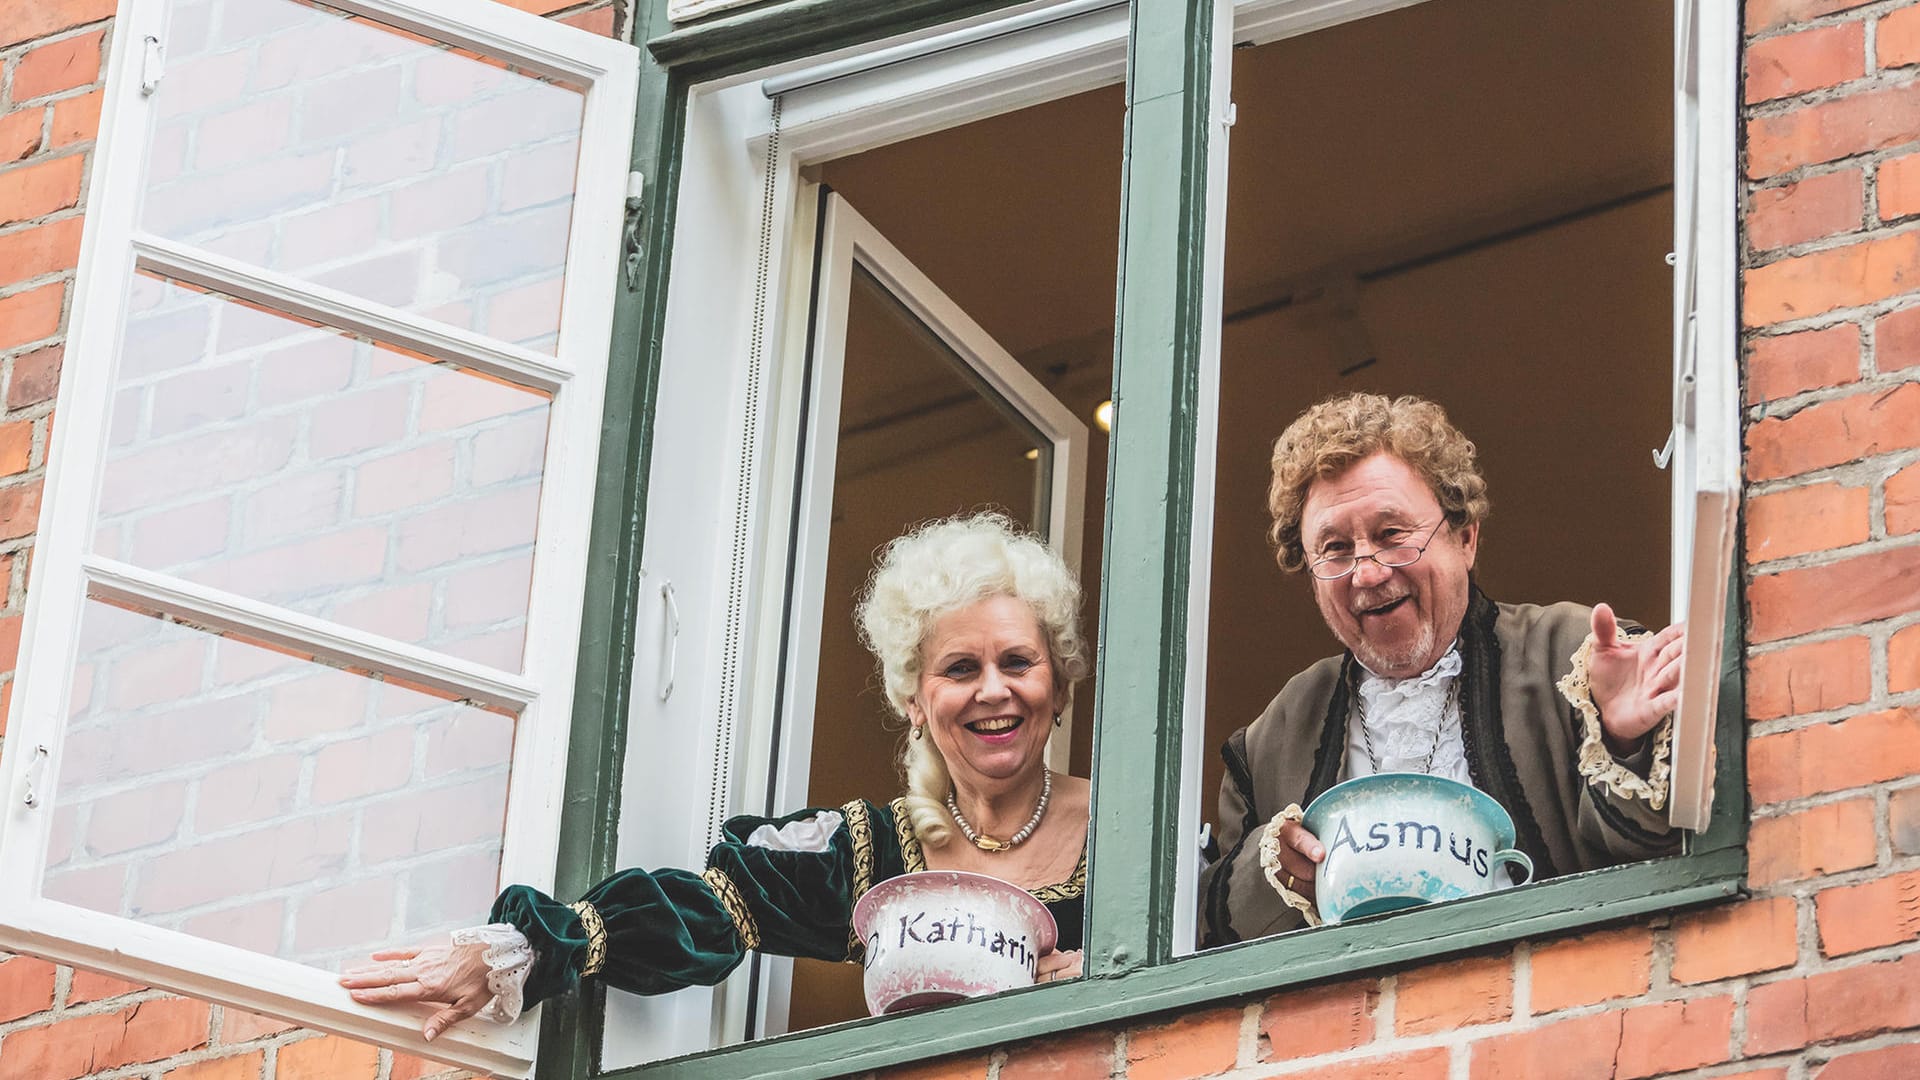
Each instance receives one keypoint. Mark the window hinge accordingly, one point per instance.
(633, 244)
(153, 62)
(35, 770)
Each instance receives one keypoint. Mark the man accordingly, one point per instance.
(1557, 712)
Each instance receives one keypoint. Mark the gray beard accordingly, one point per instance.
(1380, 663)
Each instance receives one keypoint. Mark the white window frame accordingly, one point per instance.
(64, 574)
(718, 517)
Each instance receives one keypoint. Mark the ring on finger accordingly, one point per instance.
(1289, 882)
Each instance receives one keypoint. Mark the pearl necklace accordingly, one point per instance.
(988, 843)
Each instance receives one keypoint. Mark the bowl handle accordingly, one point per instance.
(1515, 857)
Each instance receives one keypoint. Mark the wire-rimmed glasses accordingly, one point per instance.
(1335, 567)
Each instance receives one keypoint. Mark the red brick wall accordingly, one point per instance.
(1817, 976)
(58, 1023)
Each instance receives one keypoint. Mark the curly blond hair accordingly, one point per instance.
(1347, 428)
(938, 568)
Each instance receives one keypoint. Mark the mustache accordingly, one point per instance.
(1376, 598)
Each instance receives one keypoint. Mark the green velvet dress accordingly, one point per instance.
(667, 929)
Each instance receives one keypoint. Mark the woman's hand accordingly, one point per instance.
(451, 976)
(1056, 966)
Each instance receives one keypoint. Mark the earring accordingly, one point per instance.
(919, 731)
(1056, 719)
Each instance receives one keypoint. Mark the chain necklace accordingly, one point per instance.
(987, 843)
(1450, 705)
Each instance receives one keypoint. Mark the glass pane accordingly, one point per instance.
(300, 139)
(256, 798)
(336, 476)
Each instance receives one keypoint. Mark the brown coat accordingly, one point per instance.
(1522, 741)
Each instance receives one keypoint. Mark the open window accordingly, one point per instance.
(297, 667)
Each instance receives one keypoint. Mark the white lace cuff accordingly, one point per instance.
(509, 960)
(807, 834)
(1597, 763)
(1270, 862)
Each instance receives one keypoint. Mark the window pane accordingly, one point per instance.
(255, 798)
(296, 138)
(298, 465)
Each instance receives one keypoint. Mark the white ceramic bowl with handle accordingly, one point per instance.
(942, 935)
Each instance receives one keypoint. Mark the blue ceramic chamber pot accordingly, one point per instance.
(1399, 840)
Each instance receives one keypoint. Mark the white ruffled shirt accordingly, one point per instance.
(510, 955)
(1408, 719)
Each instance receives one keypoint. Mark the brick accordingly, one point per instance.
(1477, 990)
(594, 21)
(1434, 1063)
(39, 188)
(36, 377)
(1082, 1055)
(56, 66)
(42, 18)
(1897, 39)
(239, 1026)
(82, 1045)
(1896, 340)
(1870, 748)
(1809, 60)
(247, 1066)
(1848, 1003)
(1595, 967)
(1815, 207)
(1802, 286)
(1809, 678)
(1821, 840)
(328, 1057)
(957, 1067)
(75, 119)
(1768, 14)
(1734, 939)
(26, 987)
(1897, 187)
(1855, 590)
(1198, 1044)
(1886, 1063)
(21, 134)
(1319, 1020)
(31, 315)
(1885, 911)
(1903, 821)
(1786, 364)
(1582, 1049)
(93, 986)
(42, 249)
(408, 1067)
(19, 510)
(1675, 1035)
(1902, 505)
(16, 447)
(1815, 134)
(1818, 517)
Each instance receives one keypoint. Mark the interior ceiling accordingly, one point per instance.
(1559, 119)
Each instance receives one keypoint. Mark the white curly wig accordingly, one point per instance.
(936, 569)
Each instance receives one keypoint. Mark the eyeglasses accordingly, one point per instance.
(1335, 567)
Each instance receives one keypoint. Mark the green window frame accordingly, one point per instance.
(1140, 682)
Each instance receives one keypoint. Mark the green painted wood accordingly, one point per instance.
(1727, 827)
(1141, 679)
(1238, 971)
(590, 812)
(738, 41)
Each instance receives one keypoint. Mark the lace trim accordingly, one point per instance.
(509, 962)
(810, 834)
(1597, 764)
(736, 905)
(860, 831)
(1270, 862)
(596, 931)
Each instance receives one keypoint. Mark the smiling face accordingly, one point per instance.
(1397, 620)
(986, 694)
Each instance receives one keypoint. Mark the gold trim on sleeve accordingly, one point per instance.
(596, 931)
(912, 859)
(736, 905)
(860, 831)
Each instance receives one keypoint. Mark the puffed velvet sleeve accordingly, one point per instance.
(782, 885)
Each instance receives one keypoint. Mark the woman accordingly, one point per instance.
(975, 626)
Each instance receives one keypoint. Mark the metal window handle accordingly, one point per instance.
(670, 648)
(153, 62)
(35, 768)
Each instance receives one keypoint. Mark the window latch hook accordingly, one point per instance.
(35, 769)
(670, 649)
